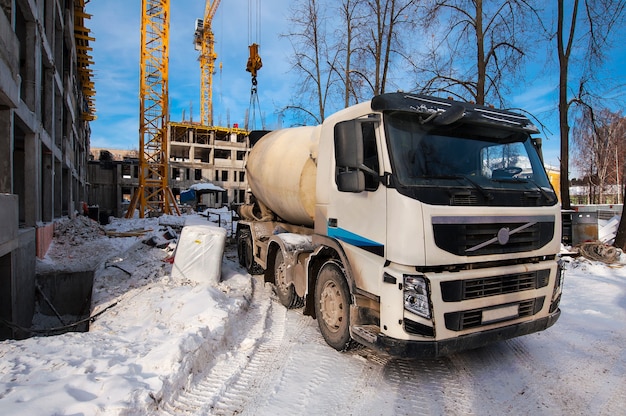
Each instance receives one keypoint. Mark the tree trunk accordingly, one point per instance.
(620, 237)
(564, 54)
(480, 55)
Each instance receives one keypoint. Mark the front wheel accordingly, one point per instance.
(332, 306)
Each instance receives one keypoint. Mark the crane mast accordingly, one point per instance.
(205, 43)
(153, 193)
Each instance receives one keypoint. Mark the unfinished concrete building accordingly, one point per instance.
(197, 154)
(45, 108)
(209, 154)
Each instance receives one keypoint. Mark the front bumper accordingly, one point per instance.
(433, 349)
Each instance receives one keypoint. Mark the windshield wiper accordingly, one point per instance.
(548, 196)
(480, 188)
(485, 193)
(510, 180)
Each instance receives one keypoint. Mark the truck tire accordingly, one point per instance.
(286, 292)
(332, 306)
(245, 251)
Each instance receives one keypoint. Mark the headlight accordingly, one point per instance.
(416, 295)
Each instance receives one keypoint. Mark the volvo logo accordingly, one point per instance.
(502, 237)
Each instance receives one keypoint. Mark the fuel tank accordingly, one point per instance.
(281, 172)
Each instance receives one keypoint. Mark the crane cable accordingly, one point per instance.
(254, 63)
(254, 21)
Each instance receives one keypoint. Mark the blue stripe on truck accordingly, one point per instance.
(356, 240)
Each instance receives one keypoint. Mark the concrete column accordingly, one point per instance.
(48, 105)
(32, 179)
(6, 156)
(66, 190)
(118, 194)
(192, 153)
(47, 185)
(58, 187)
(30, 67)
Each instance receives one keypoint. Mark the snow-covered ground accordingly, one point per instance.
(164, 345)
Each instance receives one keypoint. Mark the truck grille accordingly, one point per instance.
(459, 290)
(479, 239)
(458, 321)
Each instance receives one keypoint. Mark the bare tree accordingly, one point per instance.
(596, 22)
(620, 237)
(620, 155)
(312, 57)
(350, 30)
(352, 62)
(480, 46)
(599, 136)
(391, 20)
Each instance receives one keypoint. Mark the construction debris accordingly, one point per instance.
(599, 251)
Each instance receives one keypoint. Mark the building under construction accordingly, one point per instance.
(197, 154)
(174, 157)
(46, 105)
(45, 108)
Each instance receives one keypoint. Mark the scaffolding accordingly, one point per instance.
(84, 60)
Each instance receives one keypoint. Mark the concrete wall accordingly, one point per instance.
(8, 225)
(17, 270)
(45, 109)
(104, 191)
(24, 282)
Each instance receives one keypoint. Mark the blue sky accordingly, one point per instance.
(115, 25)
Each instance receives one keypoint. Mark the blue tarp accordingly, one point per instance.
(188, 195)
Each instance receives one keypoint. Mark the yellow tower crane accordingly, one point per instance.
(153, 193)
(205, 43)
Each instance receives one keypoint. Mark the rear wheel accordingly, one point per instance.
(285, 291)
(245, 251)
(332, 306)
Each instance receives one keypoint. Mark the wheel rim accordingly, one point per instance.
(280, 276)
(331, 306)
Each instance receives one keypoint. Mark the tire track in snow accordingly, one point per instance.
(506, 376)
(422, 386)
(310, 369)
(209, 387)
(238, 377)
(258, 381)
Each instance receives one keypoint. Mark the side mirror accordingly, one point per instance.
(349, 156)
(352, 181)
(348, 144)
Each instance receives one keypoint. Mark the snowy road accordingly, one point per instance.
(165, 345)
(280, 362)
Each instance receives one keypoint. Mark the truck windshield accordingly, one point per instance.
(429, 160)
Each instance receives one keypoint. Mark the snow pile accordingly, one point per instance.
(151, 331)
(77, 231)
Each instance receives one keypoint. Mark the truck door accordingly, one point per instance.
(357, 213)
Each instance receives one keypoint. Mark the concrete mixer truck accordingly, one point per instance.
(414, 225)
